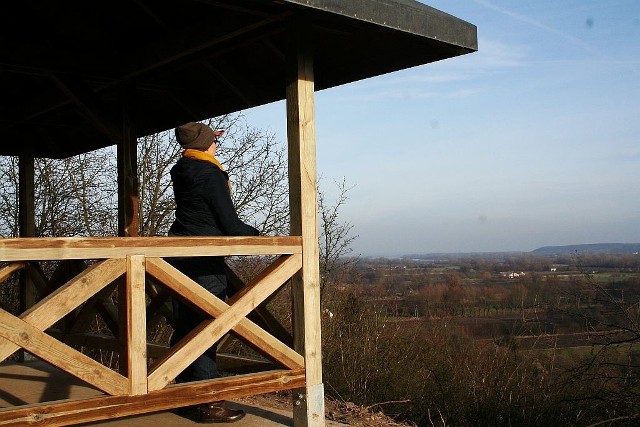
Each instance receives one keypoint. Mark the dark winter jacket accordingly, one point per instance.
(203, 202)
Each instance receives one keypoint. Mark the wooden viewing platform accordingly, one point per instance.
(79, 76)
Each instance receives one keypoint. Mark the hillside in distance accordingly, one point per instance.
(593, 248)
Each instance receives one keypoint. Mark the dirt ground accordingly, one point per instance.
(341, 412)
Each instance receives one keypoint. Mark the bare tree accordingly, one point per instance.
(156, 155)
(607, 378)
(73, 196)
(9, 197)
(335, 235)
(90, 180)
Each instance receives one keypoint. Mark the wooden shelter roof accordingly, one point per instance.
(67, 68)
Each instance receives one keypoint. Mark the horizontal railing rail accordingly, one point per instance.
(58, 248)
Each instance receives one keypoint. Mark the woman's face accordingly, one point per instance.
(214, 147)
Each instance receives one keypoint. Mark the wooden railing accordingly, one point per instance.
(145, 384)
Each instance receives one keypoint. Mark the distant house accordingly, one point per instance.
(512, 274)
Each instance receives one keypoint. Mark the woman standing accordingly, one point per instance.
(203, 208)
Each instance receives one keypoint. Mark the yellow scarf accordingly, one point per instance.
(204, 156)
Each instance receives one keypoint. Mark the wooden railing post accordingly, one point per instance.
(136, 325)
(27, 225)
(127, 210)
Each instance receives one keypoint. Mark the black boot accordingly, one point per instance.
(217, 412)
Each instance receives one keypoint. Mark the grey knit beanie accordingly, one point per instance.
(195, 135)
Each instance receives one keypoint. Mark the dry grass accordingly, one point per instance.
(342, 412)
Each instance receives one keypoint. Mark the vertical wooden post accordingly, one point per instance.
(26, 208)
(26, 224)
(128, 197)
(136, 325)
(127, 214)
(303, 199)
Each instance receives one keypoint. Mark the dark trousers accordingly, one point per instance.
(208, 272)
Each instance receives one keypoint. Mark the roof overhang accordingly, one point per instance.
(68, 68)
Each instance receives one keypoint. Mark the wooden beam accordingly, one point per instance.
(239, 86)
(26, 198)
(178, 46)
(229, 363)
(128, 209)
(87, 313)
(8, 270)
(128, 221)
(88, 104)
(55, 248)
(128, 196)
(102, 342)
(159, 307)
(110, 312)
(28, 293)
(38, 278)
(69, 412)
(136, 325)
(65, 271)
(304, 221)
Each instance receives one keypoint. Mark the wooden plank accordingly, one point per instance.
(65, 271)
(26, 190)
(128, 210)
(136, 325)
(110, 312)
(159, 305)
(304, 221)
(54, 248)
(261, 315)
(236, 364)
(8, 270)
(88, 311)
(191, 291)
(127, 156)
(28, 292)
(60, 355)
(231, 363)
(103, 342)
(69, 412)
(196, 343)
(38, 278)
(66, 298)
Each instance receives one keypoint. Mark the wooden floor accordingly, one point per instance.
(36, 381)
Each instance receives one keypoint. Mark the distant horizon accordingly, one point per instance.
(429, 253)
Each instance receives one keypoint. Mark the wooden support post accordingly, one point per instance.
(128, 197)
(303, 197)
(27, 225)
(127, 211)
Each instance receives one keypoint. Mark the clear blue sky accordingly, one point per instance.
(534, 140)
